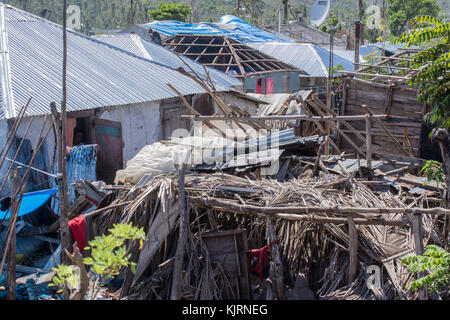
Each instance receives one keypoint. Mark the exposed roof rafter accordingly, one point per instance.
(211, 50)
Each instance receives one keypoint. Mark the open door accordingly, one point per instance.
(108, 136)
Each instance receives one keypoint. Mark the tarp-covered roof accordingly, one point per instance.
(229, 26)
(311, 58)
(98, 75)
(152, 51)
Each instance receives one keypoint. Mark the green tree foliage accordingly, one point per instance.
(109, 254)
(171, 11)
(402, 11)
(332, 21)
(436, 263)
(433, 81)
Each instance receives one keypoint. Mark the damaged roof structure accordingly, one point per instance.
(249, 65)
(149, 50)
(98, 75)
(297, 199)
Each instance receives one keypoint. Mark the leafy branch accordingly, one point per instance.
(436, 262)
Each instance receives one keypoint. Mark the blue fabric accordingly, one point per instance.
(229, 26)
(81, 164)
(31, 202)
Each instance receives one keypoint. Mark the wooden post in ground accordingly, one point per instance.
(176, 293)
(11, 274)
(353, 250)
(369, 144)
(276, 264)
(418, 243)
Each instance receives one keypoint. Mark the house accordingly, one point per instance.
(311, 58)
(117, 99)
(143, 47)
(259, 72)
(229, 26)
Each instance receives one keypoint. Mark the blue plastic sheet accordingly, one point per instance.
(229, 26)
(31, 202)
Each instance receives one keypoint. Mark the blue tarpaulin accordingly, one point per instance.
(229, 26)
(31, 202)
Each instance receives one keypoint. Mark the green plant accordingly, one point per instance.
(433, 79)
(171, 11)
(402, 11)
(436, 262)
(109, 254)
(434, 171)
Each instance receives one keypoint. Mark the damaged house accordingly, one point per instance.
(118, 100)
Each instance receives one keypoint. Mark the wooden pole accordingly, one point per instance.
(286, 117)
(369, 142)
(176, 293)
(418, 243)
(11, 273)
(353, 249)
(232, 206)
(62, 174)
(357, 43)
(276, 264)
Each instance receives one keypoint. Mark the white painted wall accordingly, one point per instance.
(141, 125)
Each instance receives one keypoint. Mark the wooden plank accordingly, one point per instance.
(389, 134)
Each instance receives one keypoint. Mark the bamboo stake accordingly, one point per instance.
(22, 187)
(13, 130)
(11, 273)
(16, 155)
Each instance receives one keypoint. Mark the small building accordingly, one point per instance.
(259, 72)
(311, 58)
(117, 99)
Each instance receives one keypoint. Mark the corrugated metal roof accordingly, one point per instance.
(147, 49)
(98, 75)
(308, 57)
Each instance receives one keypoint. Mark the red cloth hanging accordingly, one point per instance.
(263, 258)
(78, 228)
